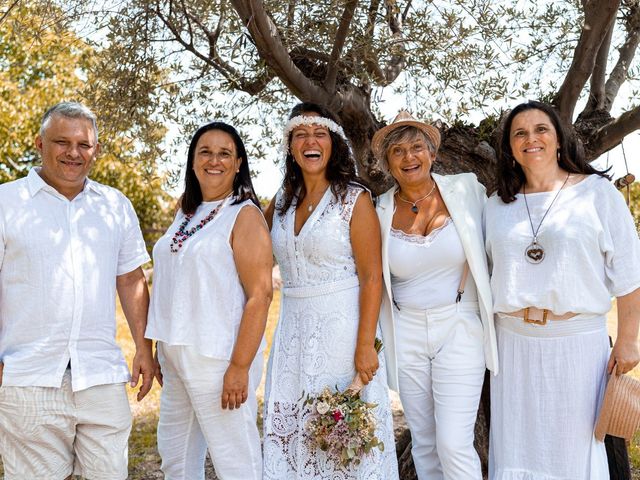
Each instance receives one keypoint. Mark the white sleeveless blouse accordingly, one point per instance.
(197, 298)
(426, 270)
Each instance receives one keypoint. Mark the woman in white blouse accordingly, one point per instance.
(562, 242)
(211, 295)
(436, 308)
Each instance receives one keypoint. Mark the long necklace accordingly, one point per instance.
(414, 205)
(534, 253)
(182, 235)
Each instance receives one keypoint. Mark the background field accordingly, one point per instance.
(144, 462)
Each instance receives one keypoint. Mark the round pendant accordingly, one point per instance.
(414, 208)
(534, 253)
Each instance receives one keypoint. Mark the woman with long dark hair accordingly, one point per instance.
(327, 242)
(211, 295)
(562, 243)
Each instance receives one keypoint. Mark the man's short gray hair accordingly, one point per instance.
(69, 110)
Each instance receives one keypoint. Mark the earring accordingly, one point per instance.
(513, 164)
(238, 171)
(558, 152)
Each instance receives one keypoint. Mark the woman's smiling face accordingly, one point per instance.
(311, 146)
(533, 139)
(410, 160)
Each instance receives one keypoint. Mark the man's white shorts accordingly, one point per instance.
(50, 433)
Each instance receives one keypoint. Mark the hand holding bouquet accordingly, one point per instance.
(342, 424)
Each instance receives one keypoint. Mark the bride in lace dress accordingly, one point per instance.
(326, 241)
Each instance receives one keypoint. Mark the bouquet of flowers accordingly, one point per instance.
(343, 424)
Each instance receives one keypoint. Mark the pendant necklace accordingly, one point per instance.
(310, 207)
(414, 205)
(534, 253)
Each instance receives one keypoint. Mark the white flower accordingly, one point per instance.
(322, 408)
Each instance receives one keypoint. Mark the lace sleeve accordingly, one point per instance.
(349, 202)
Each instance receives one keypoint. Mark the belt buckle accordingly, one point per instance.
(534, 321)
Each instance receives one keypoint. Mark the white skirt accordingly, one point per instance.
(545, 400)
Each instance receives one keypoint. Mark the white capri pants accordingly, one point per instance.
(441, 369)
(192, 418)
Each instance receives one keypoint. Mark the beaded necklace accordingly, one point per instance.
(182, 235)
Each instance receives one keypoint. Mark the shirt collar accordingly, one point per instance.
(36, 183)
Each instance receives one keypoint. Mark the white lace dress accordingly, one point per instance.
(314, 345)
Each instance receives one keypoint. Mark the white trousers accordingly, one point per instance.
(440, 373)
(192, 418)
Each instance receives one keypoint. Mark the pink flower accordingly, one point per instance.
(337, 415)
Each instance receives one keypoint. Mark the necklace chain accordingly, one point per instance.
(414, 206)
(182, 235)
(534, 232)
(534, 253)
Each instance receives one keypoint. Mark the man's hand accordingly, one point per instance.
(134, 298)
(144, 365)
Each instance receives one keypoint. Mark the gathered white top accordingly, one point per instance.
(590, 242)
(197, 297)
(426, 270)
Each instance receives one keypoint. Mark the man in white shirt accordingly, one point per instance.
(66, 245)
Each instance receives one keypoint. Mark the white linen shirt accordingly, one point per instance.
(59, 260)
(592, 251)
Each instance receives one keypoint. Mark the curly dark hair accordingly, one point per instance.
(242, 185)
(510, 175)
(340, 171)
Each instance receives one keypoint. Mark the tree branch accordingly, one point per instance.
(271, 49)
(6, 13)
(626, 53)
(598, 15)
(291, 10)
(338, 45)
(612, 133)
(599, 75)
(213, 59)
(406, 11)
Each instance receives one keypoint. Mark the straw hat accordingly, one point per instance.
(403, 118)
(620, 412)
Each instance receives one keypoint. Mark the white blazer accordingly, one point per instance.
(465, 198)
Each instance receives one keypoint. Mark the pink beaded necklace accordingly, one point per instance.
(182, 235)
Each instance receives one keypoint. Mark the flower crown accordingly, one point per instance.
(311, 120)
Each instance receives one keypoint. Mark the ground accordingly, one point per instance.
(144, 462)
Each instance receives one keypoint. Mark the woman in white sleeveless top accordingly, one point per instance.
(436, 307)
(562, 243)
(326, 241)
(211, 295)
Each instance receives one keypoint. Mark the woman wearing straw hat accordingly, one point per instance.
(562, 242)
(436, 310)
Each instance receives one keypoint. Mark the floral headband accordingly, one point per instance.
(311, 120)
